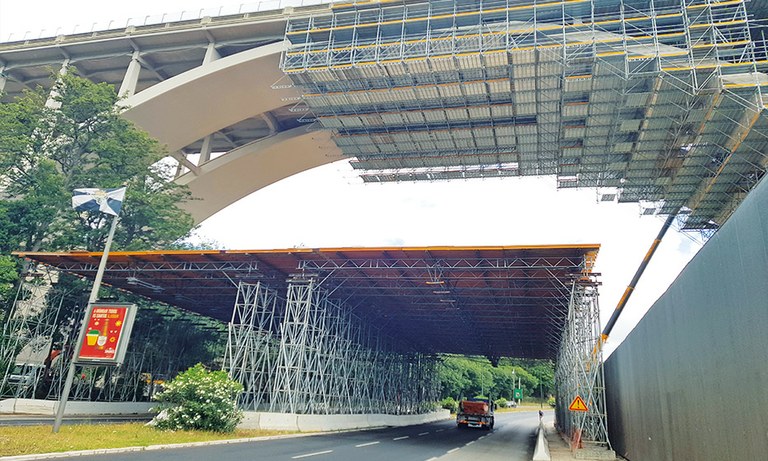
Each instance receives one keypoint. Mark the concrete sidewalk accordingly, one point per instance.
(559, 450)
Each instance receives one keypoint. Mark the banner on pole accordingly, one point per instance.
(108, 329)
(108, 201)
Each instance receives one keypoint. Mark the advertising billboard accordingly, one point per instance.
(108, 329)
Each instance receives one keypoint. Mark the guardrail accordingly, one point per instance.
(164, 18)
(541, 452)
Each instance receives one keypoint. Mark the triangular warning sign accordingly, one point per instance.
(578, 404)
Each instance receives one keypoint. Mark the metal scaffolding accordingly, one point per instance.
(37, 343)
(657, 100)
(306, 353)
(579, 372)
(330, 362)
(358, 330)
(28, 333)
(136, 380)
(252, 344)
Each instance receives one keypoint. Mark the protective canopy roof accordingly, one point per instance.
(504, 301)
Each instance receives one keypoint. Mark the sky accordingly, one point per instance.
(330, 207)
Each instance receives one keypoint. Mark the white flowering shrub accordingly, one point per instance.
(199, 399)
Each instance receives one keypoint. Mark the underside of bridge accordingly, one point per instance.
(657, 101)
(651, 101)
(358, 330)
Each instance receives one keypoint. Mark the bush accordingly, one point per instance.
(449, 404)
(501, 402)
(199, 399)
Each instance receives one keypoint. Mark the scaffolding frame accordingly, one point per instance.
(28, 333)
(35, 322)
(579, 372)
(660, 100)
(350, 330)
(251, 344)
(330, 362)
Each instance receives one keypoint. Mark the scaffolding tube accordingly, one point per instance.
(633, 283)
(307, 354)
(579, 372)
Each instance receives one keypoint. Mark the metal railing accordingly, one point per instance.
(162, 18)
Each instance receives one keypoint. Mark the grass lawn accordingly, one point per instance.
(525, 406)
(23, 440)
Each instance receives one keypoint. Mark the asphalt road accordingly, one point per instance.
(512, 439)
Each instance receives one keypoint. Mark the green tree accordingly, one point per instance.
(545, 373)
(71, 137)
(8, 276)
(453, 379)
(465, 376)
(462, 376)
(53, 141)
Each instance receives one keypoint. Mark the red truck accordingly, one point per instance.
(475, 413)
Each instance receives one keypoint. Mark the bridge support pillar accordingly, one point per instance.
(131, 79)
(211, 54)
(3, 78)
(205, 150)
(51, 102)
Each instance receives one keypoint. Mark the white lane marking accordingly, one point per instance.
(432, 458)
(312, 454)
(440, 430)
(366, 444)
(423, 433)
(470, 443)
(453, 450)
(401, 438)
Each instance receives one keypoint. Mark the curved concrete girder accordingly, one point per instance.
(203, 100)
(228, 178)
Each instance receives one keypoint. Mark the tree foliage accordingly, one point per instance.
(8, 276)
(463, 377)
(72, 136)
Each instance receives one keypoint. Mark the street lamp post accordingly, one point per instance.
(514, 399)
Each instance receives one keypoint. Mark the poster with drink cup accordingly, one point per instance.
(108, 328)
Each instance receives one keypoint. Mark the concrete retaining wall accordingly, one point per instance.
(320, 423)
(691, 380)
(48, 407)
(252, 420)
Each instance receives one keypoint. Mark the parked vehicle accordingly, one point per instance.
(475, 413)
(25, 374)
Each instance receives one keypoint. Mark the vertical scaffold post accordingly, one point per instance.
(251, 344)
(331, 361)
(290, 387)
(579, 372)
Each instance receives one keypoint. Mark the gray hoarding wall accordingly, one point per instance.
(690, 383)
